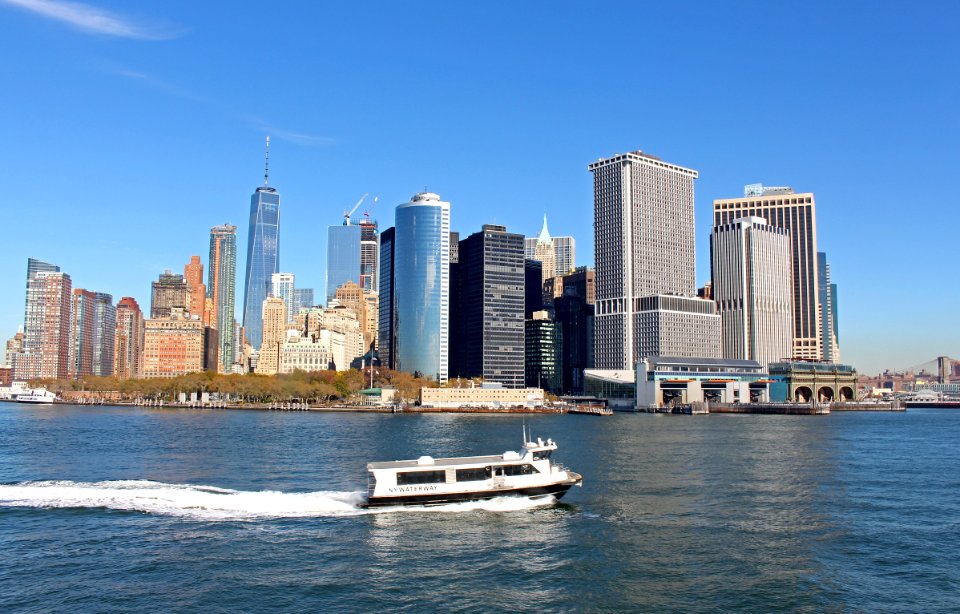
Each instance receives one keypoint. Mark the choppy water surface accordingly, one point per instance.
(135, 509)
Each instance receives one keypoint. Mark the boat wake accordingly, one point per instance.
(212, 503)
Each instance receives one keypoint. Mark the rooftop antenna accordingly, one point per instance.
(266, 168)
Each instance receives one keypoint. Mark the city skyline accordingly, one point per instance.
(321, 169)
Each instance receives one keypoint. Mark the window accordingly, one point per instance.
(473, 475)
(527, 469)
(405, 478)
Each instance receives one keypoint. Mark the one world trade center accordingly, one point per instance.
(263, 255)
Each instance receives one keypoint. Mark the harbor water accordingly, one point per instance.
(123, 509)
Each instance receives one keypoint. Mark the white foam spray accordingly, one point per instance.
(212, 503)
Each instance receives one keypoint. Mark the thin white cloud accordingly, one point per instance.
(303, 139)
(91, 19)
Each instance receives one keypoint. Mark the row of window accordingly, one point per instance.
(474, 474)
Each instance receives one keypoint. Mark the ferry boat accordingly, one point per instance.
(37, 395)
(434, 481)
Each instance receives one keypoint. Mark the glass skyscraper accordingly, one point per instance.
(343, 257)
(385, 334)
(263, 259)
(421, 286)
(221, 289)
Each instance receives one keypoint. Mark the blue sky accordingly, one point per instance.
(130, 128)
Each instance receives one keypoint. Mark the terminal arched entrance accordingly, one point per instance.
(825, 394)
(846, 393)
(803, 394)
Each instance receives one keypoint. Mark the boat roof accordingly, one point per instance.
(441, 462)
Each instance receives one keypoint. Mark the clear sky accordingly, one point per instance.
(129, 128)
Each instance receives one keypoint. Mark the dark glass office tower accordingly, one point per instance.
(543, 353)
(490, 306)
(263, 256)
(385, 334)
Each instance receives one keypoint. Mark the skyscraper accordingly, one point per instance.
(564, 250)
(644, 251)
(343, 257)
(81, 333)
(302, 299)
(283, 286)
(828, 310)
(369, 254)
(544, 349)
(386, 343)
(752, 283)
(797, 214)
(221, 289)
(193, 275)
(128, 340)
(421, 286)
(104, 331)
(46, 335)
(544, 252)
(489, 325)
(263, 255)
(274, 334)
(169, 292)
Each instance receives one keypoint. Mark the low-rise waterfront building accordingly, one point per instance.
(806, 381)
(615, 386)
(665, 381)
(486, 396)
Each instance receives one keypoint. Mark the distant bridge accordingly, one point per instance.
(945, 368)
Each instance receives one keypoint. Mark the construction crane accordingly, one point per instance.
(346, 215)
(366, 213)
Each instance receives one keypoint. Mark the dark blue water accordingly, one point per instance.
(135, 509)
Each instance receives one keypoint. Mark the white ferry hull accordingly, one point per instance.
(556, 490)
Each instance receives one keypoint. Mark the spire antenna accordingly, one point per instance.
(266, 168)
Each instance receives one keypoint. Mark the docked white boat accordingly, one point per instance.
(37, 396)
(433, 481)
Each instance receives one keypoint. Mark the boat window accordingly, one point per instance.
(542, 455)
(526, 469)
(473, 475)
(421, 477)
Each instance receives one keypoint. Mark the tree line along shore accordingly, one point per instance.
(319, 387)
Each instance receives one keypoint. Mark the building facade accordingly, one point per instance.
(644, 246)
(343, 257)
(274, 320)
(544, 349)
(283, 285)
(221, 289)
(302, 299)
(752, 284)
(193, 276)
(481, 397)
(565, 253)
(829, 341)
(386, 342)
(173, 345)
(421, 286)
(677, 326)
(81, 333)
(364, 303)
(47, 324)
(665, 381)
(489, 323)
(369, 255)
(128, 339)
(169, 292)
(263, 256)
(797, 214)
